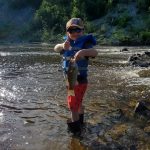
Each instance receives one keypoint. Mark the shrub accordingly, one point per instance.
(148, 21)
(145, 36)
(143, 4)
(121, 36)
(89, 27)
(95, 9)
(77, 9)
(112, 3)
(122, 21)
(19, 4)
(89, 9)
(5, 30)
(53, 16)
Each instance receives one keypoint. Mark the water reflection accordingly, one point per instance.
(3, 54)
(33, 107)
(1, 116)
(75, 144)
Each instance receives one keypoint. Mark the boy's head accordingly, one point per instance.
(74, 28)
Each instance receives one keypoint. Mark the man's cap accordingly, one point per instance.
(75, 22)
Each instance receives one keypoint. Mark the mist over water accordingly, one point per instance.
(33, 107)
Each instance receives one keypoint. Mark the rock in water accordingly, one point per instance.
(147, 53)
(142, 60)
(142, 109)
(147, 129)
(124, 50)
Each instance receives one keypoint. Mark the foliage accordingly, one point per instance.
(148, 21)
(145, 36)
(89, 27)
(120, 35)
(122, 20)
(51, 16)
(19, 4)
(77, 9)
(95, 9)
(112, 3)
(143, 5)
(5, 30)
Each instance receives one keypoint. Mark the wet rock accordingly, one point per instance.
(142, 60)
(117, 131)
(4, 136)
(147, 53)
(124, 50)
(133, 147)
(144, 73)
(147, 129)
(28, 122)
(109, 146)
(116, 115)
(142, 109)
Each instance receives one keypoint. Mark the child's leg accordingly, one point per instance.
(73, 123)
(81, 90)
(74, 116)
(81, 114)
(81, 109)
(75, 102)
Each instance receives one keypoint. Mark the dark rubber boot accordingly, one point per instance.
(74, 127)
(81, 118)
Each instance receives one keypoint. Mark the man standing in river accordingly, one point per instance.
(78, 48)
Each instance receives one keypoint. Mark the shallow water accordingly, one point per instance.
(33, 108)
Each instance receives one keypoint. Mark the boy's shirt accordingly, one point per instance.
(83, 42)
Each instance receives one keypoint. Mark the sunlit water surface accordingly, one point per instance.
(33, 107)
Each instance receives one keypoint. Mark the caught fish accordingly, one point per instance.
(72, 77)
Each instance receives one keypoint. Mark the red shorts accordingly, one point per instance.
(74, 102)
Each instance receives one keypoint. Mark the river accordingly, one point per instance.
(33, 107)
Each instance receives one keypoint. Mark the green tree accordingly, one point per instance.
(19, 4)
(78, 9)
(143, 4)
(95, 9)
(51, 15)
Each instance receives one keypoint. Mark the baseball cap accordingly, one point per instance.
(75, 22)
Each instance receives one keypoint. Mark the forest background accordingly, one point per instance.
(113, 22)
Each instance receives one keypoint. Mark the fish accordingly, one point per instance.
(72, 74)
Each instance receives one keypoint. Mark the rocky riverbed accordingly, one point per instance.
(33, 107)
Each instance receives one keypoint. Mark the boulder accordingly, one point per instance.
(141, 60)
(147, 129)
(142, 109)
(124, 50)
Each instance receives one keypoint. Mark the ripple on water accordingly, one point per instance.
(33, 102)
